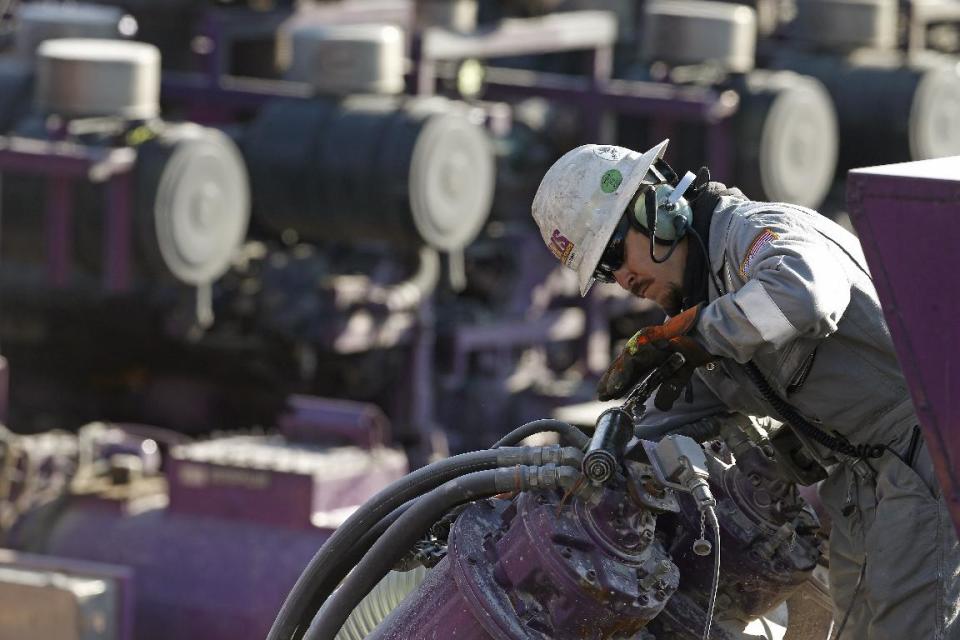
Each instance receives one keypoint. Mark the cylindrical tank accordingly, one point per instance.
(38, 22)
(844, 25)
(79, 77)
(890, 109)
(694, 32)
(189, 209)
(345, 59)
(783, 135)
(786, 138)
(410, 171)
(191, 202)
(194, 202)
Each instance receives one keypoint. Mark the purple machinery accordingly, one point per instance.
(610, 537)
(907, 218)
(207, 547)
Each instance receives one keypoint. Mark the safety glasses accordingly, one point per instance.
(613, 255)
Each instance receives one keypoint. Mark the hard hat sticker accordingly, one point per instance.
(610, 180)
(560, 246)
(608, 153)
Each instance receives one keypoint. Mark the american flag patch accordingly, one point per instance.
(759, 243)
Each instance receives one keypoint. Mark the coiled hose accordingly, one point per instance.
(341, 551)
(793, 418)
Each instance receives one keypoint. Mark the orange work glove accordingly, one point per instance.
(648, 349)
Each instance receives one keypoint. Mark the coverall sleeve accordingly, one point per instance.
(795, 287)
(704, 403)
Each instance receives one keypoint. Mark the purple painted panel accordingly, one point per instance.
(265, 479)
(315, 420)
(908, 219)
(246, 514)
(269, 497)
(196, 577)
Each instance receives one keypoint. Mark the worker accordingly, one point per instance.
(774, 310)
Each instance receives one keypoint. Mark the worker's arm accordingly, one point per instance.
(702, 403)
(796, 287)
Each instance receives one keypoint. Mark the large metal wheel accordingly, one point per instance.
(195, 203)
(786, 137)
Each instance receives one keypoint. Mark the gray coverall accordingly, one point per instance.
(800, 304)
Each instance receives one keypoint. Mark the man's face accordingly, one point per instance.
(661, 283)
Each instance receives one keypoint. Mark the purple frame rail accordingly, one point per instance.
(62, 164)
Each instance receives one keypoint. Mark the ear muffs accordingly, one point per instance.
(663, 212)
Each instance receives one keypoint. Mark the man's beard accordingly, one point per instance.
(674, 302)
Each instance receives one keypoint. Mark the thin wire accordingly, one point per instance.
(715, 525)
(673, 247)
(706, 258)
(856, 592)
(652, 208)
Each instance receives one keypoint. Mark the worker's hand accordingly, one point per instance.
(649, 348)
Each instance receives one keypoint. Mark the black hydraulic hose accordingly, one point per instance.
(700, 430)
(412, 525)
(321, 574)
(793, 418)
(339, 553)
(367, 540)
(568, 433)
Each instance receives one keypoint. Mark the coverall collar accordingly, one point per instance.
(695, 276)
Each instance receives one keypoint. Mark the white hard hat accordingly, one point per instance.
(581, 199)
